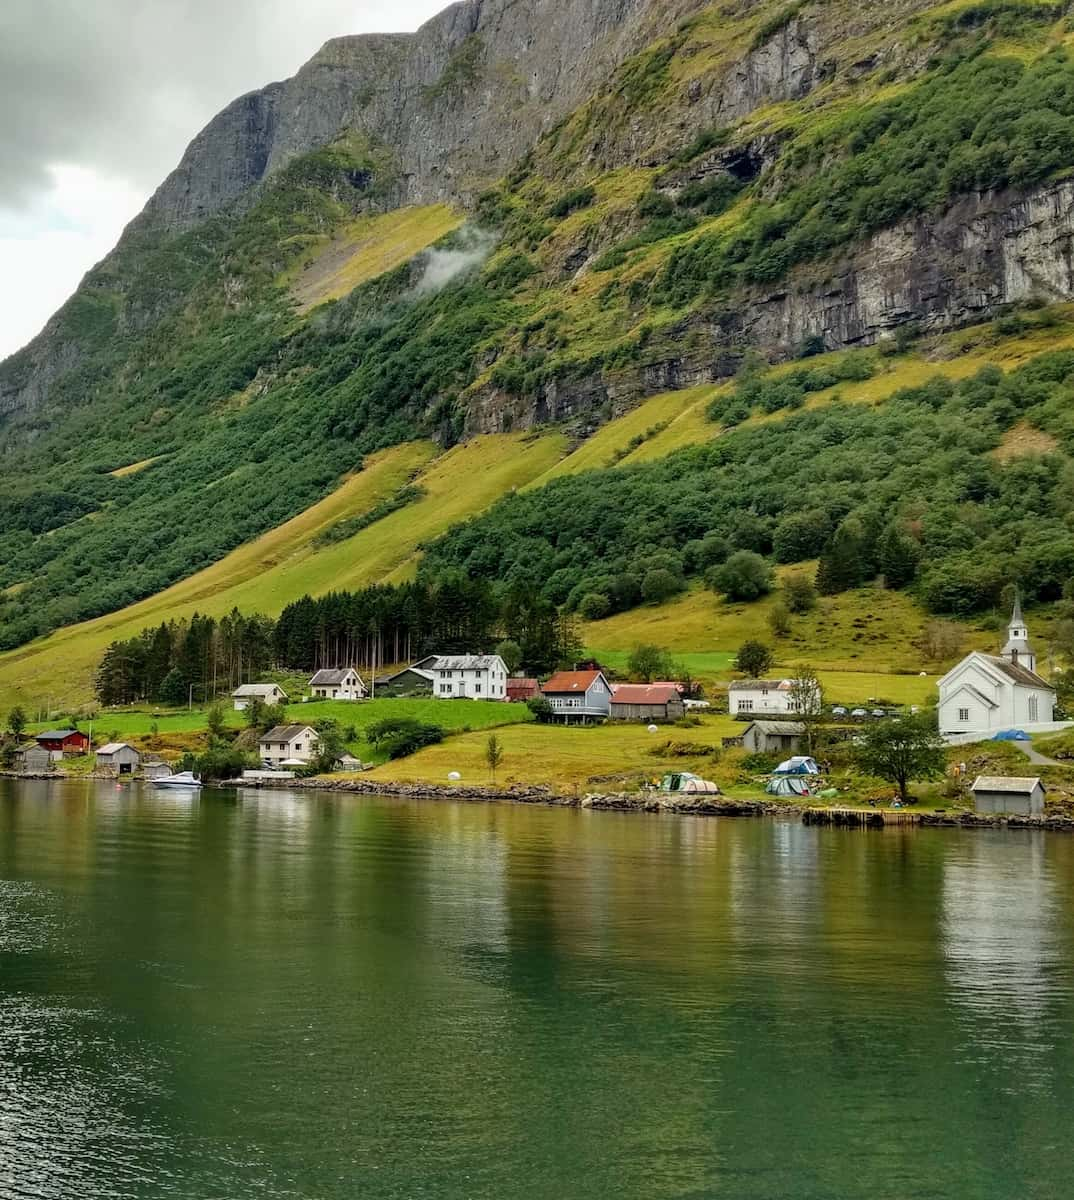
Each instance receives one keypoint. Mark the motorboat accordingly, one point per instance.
(185, 779)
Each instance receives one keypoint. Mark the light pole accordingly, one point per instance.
(190, 698)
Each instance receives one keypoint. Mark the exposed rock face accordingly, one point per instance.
(457, 102)
(941, 272)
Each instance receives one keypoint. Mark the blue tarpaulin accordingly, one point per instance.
(1012, 735)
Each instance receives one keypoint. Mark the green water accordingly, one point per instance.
(267, 995)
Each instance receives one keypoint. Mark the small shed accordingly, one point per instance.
(1018, 796)
(646, 702)
(349, 763)
(33, 759)
(521, 688)
(774, 737)
(118, 758)
(155, 768)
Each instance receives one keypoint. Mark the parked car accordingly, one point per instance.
(839, 711)
(879, 712)
(859, 714)
(696, 704)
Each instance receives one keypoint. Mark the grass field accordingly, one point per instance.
(283, 565)
(368, 247)
(564, 757)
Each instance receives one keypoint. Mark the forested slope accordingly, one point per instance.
(721, 186)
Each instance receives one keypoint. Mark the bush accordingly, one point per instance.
(660, 585)
(581, 197)
(745, 576)
(799, 594)
(594, 606)
(399, 736)
(754, 659)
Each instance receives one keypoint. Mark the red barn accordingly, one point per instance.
(63, 741)
(519, 689)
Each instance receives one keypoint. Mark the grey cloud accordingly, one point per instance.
(122, 85)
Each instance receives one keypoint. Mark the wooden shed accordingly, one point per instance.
(33, 759)
(646, 702)
(783, 738)
(117, 758)
(1018, 796)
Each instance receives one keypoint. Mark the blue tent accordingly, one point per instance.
(799, 765)
(1012, 735)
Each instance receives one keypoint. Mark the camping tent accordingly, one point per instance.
(799, 765)
(787, 785)
(1012, 735)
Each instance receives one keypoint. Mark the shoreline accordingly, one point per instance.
(650, 803)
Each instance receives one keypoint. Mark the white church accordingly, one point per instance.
(989, 692)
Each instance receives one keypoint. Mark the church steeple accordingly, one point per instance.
(1017, 648)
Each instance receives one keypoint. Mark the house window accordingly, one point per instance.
(477, 687)
(1034, 709)
(963, 714)
(745, 706)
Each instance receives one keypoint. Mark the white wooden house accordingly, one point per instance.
(267, 693)
(766, 697)
(465, 676)
(288, 744)
(344, 684)
(987, 693)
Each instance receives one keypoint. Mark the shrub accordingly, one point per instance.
(745, 576)
(594, 606)
(576, 198)
(754, 659)
(399, 736)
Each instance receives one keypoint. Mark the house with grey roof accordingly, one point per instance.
(288, 745)
(1017, 796)
(987, 693)
(344, 684)
(267, 693)
(465, 676)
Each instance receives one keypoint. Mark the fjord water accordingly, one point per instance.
(283, 995)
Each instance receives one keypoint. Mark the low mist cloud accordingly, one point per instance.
(473, 246)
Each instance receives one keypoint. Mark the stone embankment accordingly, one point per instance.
(969, 820)
(638, 802)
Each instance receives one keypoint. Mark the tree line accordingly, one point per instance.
(371, 629)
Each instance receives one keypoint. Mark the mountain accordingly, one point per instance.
(528, 215)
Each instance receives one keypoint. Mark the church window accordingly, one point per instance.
(1033, 709)
(963, 714)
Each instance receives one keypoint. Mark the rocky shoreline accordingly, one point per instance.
(639, 802)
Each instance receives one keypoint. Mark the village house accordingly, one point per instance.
(767, 697)
(63, 743)
(344, 684)
(1015, 796)
(987, 693)
(288, 745)
(646, 702)
(117, 758)
(579, 695)
(267, 693)
(466, 676)
(782, 738)
(33, 759)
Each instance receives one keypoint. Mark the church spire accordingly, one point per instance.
(1017, 648)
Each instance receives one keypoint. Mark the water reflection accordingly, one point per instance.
(285, 994)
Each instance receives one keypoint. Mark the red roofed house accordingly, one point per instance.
(62, 743)
(646, 702)
(519, 689)
(579, 695)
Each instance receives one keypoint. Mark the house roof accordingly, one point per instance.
(568, 682)
(414, 670)
(645, 693)
(57, 735)
(258, 689)
(1017, 785)
(463, 662)
(330, 678)
(788, 728)
(112, 747)
(284, 733)
(1017, 673)
(755, 685)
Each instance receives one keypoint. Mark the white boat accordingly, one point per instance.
(185, 779)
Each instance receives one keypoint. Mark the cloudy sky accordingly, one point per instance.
(99, 99)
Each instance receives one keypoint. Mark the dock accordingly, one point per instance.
(860, 818)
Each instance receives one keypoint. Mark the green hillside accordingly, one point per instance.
(220, 398)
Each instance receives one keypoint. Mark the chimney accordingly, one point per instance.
(1014, 657)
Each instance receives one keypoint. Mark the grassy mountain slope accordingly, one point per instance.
(758, 176)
